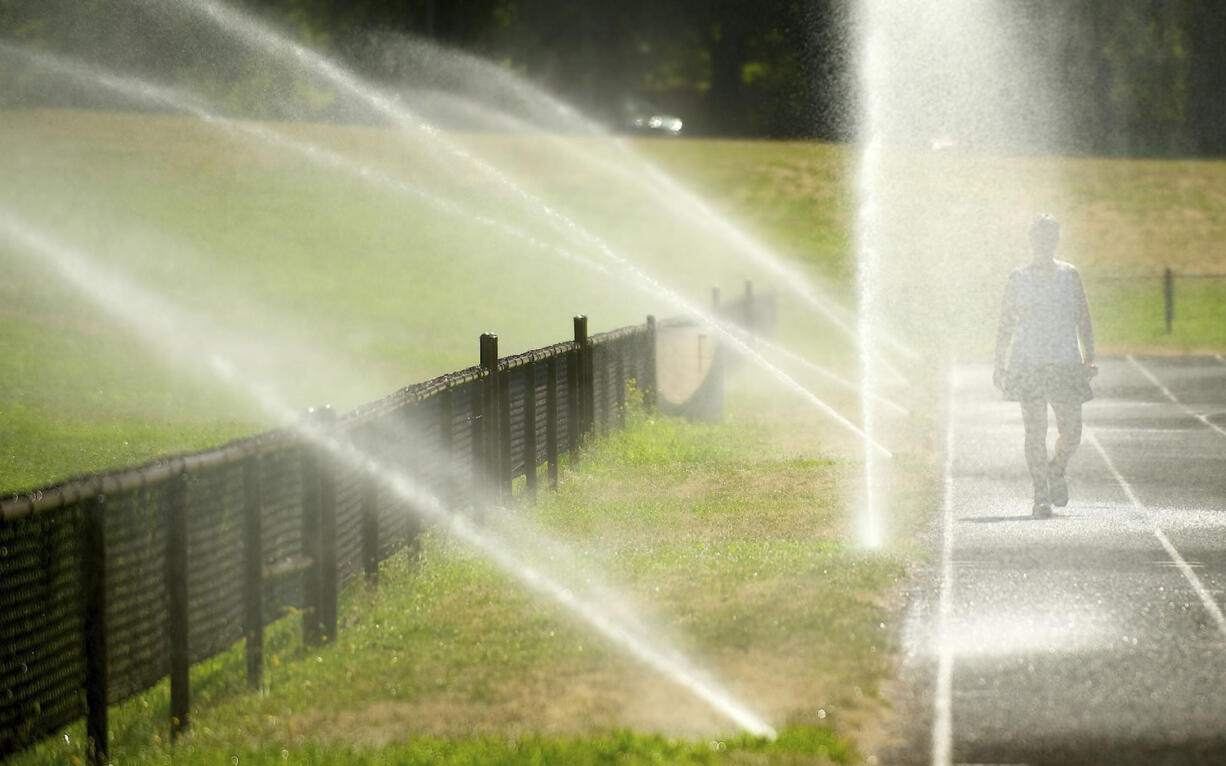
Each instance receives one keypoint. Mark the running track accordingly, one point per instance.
(1094, 637)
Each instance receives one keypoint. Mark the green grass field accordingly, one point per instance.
(355, 289)
(735, 537)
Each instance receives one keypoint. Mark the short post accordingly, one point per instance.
(587, 388)
(715, 300)
(1168, 293)
(530, 430)
(491, 422)
(551, 420)
(253, 570)
(649, 366)
(93, 592)
(177, 611)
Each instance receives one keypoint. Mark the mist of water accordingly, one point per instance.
(190, 341)
(624, 269)
(162, 327)
(255, 33)
(951, 93)
(556, 124)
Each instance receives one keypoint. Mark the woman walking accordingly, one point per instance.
(1045, 357)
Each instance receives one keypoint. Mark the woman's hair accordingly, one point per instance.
(1044, 232)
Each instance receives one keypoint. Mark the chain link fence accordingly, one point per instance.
(112, 582)
(1149, 305)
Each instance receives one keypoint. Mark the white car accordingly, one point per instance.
(642, 117)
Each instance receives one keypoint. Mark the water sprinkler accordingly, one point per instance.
(132, 305)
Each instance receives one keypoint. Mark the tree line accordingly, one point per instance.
(1142, 77)
(1137, 77)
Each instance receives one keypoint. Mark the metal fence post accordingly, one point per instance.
(177, 605)
(93, 592)
(491, 423)
(253, 570)
(587, 388)
(1168, 294)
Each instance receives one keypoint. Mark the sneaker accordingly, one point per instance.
(1041, 511)
(1058, 489)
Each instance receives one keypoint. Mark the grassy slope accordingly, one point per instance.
(357, 291)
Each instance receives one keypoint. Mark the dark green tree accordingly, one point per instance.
(1205, 25)
(1128, 76)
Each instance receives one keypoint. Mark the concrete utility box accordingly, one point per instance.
(689, 370)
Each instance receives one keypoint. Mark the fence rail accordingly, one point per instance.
(112, 582)
(1168, 279)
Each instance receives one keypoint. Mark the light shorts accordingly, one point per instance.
(1060, 383)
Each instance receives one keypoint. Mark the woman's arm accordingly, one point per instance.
(1085, 326)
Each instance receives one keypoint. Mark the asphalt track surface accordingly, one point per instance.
(1096, 636)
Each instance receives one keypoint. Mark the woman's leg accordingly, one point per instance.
(1068, 426)
(1034, 418)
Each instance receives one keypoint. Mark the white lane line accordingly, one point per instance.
(942, 705)
(1167, 392)
(1220, 358)
(1180, 563)
(1131, 430)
